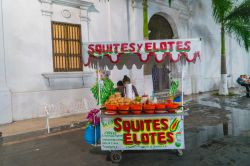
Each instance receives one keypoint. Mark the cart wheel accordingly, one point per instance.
(179, 153)
(116, 156)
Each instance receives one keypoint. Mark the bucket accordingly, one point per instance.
(89, 134)
(177, 99)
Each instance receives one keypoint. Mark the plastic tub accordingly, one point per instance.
(160, 106)
(149, 108)
(172, 111)
(149, 111)
(107, 112)
(172, 105)
(137, 112)
(123, 107)
(136, 107)
(111, 107)
(161, 112)
(123, 112)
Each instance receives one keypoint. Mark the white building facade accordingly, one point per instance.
(28, 80)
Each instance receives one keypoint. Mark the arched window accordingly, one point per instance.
(159, 28)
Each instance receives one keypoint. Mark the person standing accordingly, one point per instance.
(130, 90)
(120, 88)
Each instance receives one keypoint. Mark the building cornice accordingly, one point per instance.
(73, 3)
(47, 9)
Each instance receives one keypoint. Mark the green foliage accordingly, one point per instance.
(173, 88)
(145, 19)
(106, 90)
(234, 19)
(220, 9)
(169, 2)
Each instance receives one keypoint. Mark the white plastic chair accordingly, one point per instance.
(241, 90)
(48, 110)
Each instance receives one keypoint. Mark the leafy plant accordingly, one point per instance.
(235, 20)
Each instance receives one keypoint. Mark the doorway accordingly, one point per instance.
(159, 28)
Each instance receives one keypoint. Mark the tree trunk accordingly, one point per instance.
(223, 82)
(145, 19)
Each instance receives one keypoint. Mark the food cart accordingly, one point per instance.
(139, 126)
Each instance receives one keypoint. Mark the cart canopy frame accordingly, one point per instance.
(140, 52)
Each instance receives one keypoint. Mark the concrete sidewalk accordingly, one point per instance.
(39, 124)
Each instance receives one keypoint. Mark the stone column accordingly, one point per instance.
(88, 81)
(84, 23)
(143, 79)
(46, 9)
(5, 95)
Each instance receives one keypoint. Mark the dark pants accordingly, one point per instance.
(247, 88)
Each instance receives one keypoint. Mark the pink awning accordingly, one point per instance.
(140, 52)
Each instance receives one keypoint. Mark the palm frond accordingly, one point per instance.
(242, 11)
(220, 9)
(241, 31)
(170, 2)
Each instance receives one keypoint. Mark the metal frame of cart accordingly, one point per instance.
(141, 132)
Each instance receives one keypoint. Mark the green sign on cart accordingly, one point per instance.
(142, 132)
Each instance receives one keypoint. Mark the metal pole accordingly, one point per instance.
(99, 92)
(182, 86)
(95, 129)
(99, 83)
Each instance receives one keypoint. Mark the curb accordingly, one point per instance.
(18, 137)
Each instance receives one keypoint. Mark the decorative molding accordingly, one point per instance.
(54, 75)
(67, 75)
(66, 13)
(84, 18)
(46, 7)
(73, 3)
(85, 7)
(137, 4)
(80, 4)
(84, 14)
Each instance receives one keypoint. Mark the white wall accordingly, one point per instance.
(5, 96)
(28, 105)
(28, 54)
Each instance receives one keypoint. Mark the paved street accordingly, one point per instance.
(217, 133)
